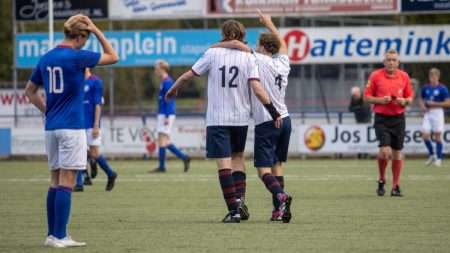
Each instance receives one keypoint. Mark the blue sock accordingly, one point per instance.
(429, 147)
(51, 210)
(439, 150)
(177, 152)
(80, 178)
(63, 199)
(105, 166)
(162, 158)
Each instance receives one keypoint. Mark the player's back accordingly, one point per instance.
(61, 72)
(93, 94)
(229, 72)
(273, 72)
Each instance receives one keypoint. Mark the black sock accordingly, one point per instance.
(228, 190)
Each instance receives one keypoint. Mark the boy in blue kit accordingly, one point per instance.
(434, 98)
(93, 90)
(166, 118)
(61, 73)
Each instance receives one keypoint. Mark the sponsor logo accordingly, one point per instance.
(314, 45)
(314, 138)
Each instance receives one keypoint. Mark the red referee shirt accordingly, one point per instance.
(380, 84)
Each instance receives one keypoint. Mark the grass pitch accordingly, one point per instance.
(335, 209)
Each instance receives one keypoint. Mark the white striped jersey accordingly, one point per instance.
(273, 72)
(229, 72)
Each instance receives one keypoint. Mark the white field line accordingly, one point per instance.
(208, 178)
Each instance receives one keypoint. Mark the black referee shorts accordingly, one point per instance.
(390, 130)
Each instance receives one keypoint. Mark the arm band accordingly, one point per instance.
(272, 111)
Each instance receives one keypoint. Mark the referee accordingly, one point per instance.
(390, 90)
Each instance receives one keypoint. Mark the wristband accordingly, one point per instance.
(272, 111)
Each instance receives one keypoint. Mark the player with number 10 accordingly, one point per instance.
(61, 73)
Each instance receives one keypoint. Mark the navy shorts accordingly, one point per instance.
(271, 143)
(390, 130)
(222, 141)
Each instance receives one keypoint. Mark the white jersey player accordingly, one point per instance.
(271, 143)
(230, 75)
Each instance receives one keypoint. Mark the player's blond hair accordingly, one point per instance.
(75, 26)
(163, 65)
(233, 30)
(391, 51)
(435, 71)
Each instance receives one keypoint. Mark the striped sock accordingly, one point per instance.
(239, 179)
(275, 200)
(272, 185)
(228, 190)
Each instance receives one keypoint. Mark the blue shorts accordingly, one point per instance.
(222, 141)
(271, 143)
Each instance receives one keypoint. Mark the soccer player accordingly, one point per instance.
(390, 90)
(166, 118)
(93, 96)
(230, 73)
(61, 72)
(271, 143)
(434, 98)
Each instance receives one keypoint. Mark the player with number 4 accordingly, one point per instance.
(271, 143)
(230, 75)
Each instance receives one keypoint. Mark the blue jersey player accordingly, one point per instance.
(93, 96)
(434, 98)
(166, 118)
(61, 73)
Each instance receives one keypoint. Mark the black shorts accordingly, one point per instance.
(271, 143)
(390, 130)
(222, 141)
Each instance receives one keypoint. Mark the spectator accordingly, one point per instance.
(361, 110)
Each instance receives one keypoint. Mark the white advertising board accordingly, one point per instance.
(367, 44)
(155, 9)
(24, 107)
(352, 139)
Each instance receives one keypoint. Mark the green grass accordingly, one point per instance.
(334, 210)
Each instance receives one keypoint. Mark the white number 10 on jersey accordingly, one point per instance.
(52, 77)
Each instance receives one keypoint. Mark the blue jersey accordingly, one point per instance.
(436, 94)
(166, 108)
(93, 93)
(61, 72)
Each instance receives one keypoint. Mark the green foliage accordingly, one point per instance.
(6, 52)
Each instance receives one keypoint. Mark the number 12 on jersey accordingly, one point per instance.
(234, 71)
(55, 73)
